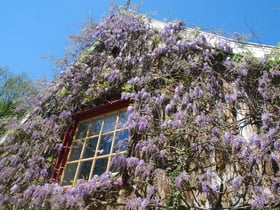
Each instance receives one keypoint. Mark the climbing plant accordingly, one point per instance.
(204, 123)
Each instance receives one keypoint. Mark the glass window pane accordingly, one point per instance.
(121, 141)
(84, 170)
(100, 166)
(69, 174)
(77, 147)
(82, 130)
(90, 148)
(93, 132)
(95, 127)
(105, 144)
(110, 122)
(122, 119)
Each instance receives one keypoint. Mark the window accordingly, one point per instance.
(97, 137)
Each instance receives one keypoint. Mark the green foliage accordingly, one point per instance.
(236, 57)
(173, 199)
(14, 91)
(157, 42)
(127, 88)
(104, 85)
(62, 92)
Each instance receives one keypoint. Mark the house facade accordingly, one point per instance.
(150, 115)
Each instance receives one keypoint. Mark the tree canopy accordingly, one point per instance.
(204, 124)
(16, 90)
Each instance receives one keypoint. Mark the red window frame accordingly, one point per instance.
(68, 136)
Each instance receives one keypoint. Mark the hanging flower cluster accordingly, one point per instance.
(204, 126)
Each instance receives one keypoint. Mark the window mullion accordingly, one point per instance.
(97, 147)
(82, 140)
(68, 155)
(113, 142)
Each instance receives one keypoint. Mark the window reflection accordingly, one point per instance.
(90, 147)
(76, 150)
(95, 127)
(84, 171)
(100, 166)
(69, 174)
(121, 141)
(82, 130)
(122, 119)
(105, 144)
(110, 122)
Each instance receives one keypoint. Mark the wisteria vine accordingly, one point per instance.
(204, 123)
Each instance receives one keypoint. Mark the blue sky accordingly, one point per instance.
(32, 31)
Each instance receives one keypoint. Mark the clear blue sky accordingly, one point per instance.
(32, 30)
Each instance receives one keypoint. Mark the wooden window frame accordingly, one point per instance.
(70, 133)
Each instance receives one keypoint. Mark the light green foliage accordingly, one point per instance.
(103, 85)
(14, 93)
(127, 88)
(236, 57)
(62, 92)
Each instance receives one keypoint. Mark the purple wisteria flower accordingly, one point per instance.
(150, 191)
(15, 188)
(224, 47)
(254, 139)
(236, 183)
(258, 202)
(266, 120)
(3, 199)
(183, 177)
(275, 157)
(201, 120)
(112, 76)
(264, 79)
(162, 153)
(143, 124)
(271, 133)
(178, 181)
(242, 70)
(144, 204)
(162, 48)
(168, 108)
(59, 147)
(119, 161)
(228, 137)
(135, 80)
(132, 162)
(133, 203)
